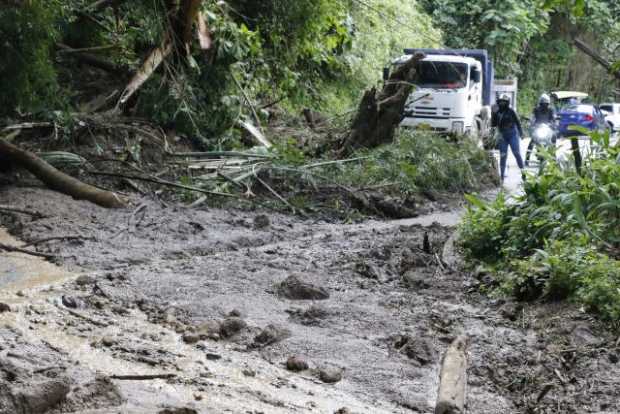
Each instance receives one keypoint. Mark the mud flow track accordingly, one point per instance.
(194, 302)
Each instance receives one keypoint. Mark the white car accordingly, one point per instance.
(612, 115)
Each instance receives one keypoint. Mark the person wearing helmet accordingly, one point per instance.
(506, 120)
(543, 113)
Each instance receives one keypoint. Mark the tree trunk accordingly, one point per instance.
(58, 180)
(378, 115)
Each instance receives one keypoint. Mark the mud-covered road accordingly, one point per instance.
(214, 303)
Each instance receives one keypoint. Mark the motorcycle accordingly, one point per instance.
(543, 137)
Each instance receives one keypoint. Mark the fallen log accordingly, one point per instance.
(379, 114)
(58, 180)
(453, 379)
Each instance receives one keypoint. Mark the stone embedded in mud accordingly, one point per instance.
(370, 271)
(213, 357)
(190, 338)
(343, 410)
(209, 330)
(511, 311)
(415, 280)
(35, 397)
(69, 302)
(108, 341)
(330, 375)
(418, 349)
(296, 364)
(85, 280)
(235, 313)
(296, 289)
(261, 221)
(178, 411)
(232, 326)
(270, 335)
(4, 307)
(582, 336)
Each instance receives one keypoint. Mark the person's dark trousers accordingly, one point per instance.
(528, 153)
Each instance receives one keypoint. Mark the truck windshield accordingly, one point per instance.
(441, 75)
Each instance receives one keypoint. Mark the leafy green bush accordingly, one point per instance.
(417, 162)
(561, 239)
(28, 33)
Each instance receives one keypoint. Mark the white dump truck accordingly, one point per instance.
(455, 90)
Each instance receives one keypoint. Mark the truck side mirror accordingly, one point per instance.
(386, 73)
(475, 76)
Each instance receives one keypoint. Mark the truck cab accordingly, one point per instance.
(448, 96)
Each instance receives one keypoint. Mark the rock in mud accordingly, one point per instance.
(209, 330)
(261, 222)
(190, 338)
(235, 313)
(296, 289)
(417, 349)
(270, 335)
(511, 311)
(4, 307)
(343, 410)
(69, 302)
(35, 397)
(85, 280)
(415, 280)
(232, 326)
(178, 411)
(108, 341)
(330, 375)
(370, 271)
(296, 364)
(582, 336)
(213, 357)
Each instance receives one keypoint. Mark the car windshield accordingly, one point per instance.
(441, 75)
(607, 108)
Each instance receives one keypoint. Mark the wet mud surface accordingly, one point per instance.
(228, 311)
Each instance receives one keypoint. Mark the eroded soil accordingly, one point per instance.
(197, 297)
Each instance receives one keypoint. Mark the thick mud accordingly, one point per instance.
(215, 303)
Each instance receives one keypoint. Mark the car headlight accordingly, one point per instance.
(458, 127)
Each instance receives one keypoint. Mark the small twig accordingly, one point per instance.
(10, 209)
(275, 193)
(219, 154)
(47, 239)
(143, 377)
(322, 164)
(30, 252)
(247, 100)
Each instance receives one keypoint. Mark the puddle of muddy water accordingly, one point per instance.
(20, 271)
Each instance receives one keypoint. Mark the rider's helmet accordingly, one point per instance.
(503, 100)
(544, 99)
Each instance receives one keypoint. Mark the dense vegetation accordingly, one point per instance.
(314, 53)
(561, 239)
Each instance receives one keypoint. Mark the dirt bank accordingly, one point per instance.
(370, 308)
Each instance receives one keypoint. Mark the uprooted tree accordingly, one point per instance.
(379, 114)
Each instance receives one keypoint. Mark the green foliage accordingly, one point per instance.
(28, 76)
(503, 28)
(560, 237)
(418, 162)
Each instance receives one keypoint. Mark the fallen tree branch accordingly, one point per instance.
(597, 57)
(143, 377)
(93, 60)
(8, 248)
(58, 180)
(161, 182)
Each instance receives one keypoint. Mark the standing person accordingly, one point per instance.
(506, 120)
(543, 113)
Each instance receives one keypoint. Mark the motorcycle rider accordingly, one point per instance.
(506, 120)
(543, 113)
